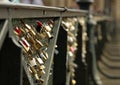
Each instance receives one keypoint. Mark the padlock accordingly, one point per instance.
(41, 68)
(73, 82)
(41, 72)
(17, 31)
(70, 54)
(44, 26)
(38, 44)
(36, 77)
(42, 35)
(32, 62)
(30, 30)
(40, 81)
(25, 45)
(47, 28)
(72, 28)
(45, 31)
(34, 73)
(65, 26)
(48, 34)
(70, 39)
(45, 34)
(39, 61)
(72, 49)
(44, 56)
(51, 23)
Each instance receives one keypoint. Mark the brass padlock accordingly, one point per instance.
(73, 81)
(40, 81)
(41, 72)
(47, 28)
(42, 67)
(44, 34)
(38, 44)
(30, 30)
(33, 71)
(48, 35)
(72, 28)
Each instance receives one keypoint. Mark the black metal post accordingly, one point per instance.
(59, 68)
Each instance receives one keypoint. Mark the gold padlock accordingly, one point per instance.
(38, 44)
(42, 67)
(73, 81)
(42, 36)
(47, 28)
(33, 71)
(40, 81)
(30, 30)
(48, 35)
(41, 72)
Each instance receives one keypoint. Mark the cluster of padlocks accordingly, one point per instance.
(34, 40)
(70, 25)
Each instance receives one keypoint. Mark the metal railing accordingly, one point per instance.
(11, 14)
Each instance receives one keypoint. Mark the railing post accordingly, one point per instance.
(91, 69)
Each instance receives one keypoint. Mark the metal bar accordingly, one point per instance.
(59, 70)
(4, 14)
(68, 76)
(29, 11)
(29, 6)
(91, 24)
(3, 32)
(24, 63)
(50, 51)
